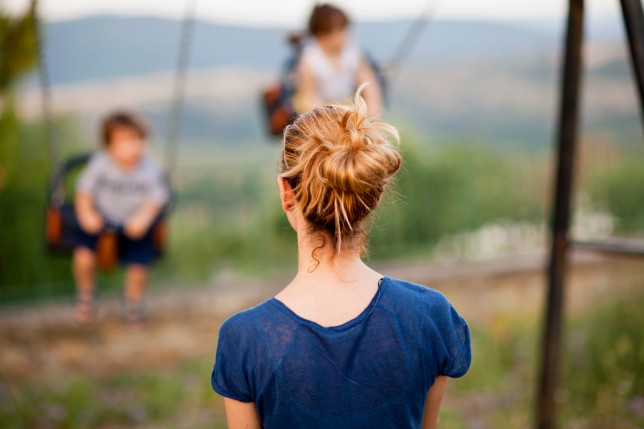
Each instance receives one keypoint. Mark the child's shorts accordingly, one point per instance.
(131, 252)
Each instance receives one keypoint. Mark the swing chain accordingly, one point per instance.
(45, 91)
(403, 49)
(174, 130)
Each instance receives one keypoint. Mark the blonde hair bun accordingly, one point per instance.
(338, 162)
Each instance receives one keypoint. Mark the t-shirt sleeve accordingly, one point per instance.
(457, 340)
(229, 377)
(454, 333)
(160, 193)
(88, 178)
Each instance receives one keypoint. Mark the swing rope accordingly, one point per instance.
(174, 129)
(45, 90)
(404, 48)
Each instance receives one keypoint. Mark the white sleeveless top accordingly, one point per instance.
(333, 84)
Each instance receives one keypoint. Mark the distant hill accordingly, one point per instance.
(103, 47)
(481, 81)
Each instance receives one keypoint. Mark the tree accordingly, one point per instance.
(18, 47)
(24, 265)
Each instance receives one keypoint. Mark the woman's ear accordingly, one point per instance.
(286, 193)
(288, 202)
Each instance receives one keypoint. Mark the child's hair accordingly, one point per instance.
(327, 18)
(324, 19)
(338, 163)
(119, 119)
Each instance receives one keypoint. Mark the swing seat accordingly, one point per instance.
(62, 224)
(278, 108)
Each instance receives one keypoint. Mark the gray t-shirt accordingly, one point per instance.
(117, 194)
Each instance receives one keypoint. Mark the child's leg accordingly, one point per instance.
(137, 256)
(136, 281)
(83, 269)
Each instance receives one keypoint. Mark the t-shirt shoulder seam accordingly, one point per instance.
(415, 287)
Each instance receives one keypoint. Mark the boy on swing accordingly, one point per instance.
(123, 189)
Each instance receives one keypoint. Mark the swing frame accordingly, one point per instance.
(561, 242)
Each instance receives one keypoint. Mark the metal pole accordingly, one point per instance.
(567, 138)
(634, 23)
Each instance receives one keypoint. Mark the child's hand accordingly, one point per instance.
(91, 222)
(136, 227)
(89, 219)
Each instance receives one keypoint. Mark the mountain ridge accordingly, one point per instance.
(104, 46)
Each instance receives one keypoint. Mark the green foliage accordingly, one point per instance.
(232, 217)
(605, 366)
(23, 171)
(228, 213)
(452, 188)
(17, 45)
(620, 190)
(26, 270)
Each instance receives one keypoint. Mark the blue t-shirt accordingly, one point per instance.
(371, 372)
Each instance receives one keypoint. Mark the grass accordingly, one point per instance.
(176, 398)
(602, 380)
(604, 369)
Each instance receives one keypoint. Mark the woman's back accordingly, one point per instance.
(372, 371)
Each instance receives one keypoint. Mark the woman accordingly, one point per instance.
(332, 66)
(342, 346)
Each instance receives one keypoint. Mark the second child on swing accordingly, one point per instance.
(121, 187)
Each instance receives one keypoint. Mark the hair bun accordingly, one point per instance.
(359, 166)
(338, 162)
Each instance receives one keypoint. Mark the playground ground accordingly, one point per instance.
(55, 373)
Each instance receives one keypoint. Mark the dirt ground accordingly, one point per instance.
(183, 322)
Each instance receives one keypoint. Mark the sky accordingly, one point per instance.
(291, 13)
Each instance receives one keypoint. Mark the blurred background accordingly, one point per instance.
(476, 103)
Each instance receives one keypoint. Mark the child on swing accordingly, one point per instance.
(342, 346)
(120, 188)
(332, 66)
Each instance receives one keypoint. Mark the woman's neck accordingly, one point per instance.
(333, 290)
(323, 265)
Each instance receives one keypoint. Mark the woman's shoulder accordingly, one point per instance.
(419, 305)
(247, 321)
(411, 293)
